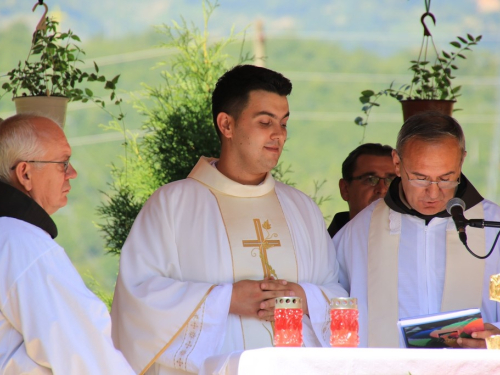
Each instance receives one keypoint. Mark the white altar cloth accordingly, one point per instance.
(358, 361)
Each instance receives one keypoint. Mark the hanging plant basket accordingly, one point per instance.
(431, 85)
(52, 75)
(53, 107)
(412, 107)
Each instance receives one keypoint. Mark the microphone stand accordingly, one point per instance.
(478, 223)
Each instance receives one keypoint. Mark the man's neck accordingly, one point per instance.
(237, 175)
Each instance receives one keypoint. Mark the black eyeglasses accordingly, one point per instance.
(373, 180)
(442, 184)
(66, 163)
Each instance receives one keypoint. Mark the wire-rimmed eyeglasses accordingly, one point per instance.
(66, 163)
(442, 184)
(371, 180)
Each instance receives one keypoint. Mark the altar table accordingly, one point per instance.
(354, 361)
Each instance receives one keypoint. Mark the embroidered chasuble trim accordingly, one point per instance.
(167, 345)
(383, 272)
(190, 339)
(258, 235)
(382, 286)
(325, 330)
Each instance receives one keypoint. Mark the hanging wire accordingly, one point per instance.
(427, 5)
(487, 255)
(425, 40)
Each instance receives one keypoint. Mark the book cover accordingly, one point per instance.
(440, 330)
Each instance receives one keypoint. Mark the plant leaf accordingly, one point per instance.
(359, 121)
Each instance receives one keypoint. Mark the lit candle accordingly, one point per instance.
(344, 322)
(288, 321)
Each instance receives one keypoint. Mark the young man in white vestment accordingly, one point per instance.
(207, 255)
(402, 257)
(50, 323)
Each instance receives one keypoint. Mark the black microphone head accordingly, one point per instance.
(453, 203)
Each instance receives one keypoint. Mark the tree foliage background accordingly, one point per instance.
(330, 49)
(178, 125)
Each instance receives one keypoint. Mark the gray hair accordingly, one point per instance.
(18, 141)
(430, 126)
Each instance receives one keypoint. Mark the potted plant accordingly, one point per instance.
(431, 87)
(49, 78)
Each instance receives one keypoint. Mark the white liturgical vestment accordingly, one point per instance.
(50, 323)
(184, 252)
(419, 263)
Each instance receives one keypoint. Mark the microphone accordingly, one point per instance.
(456, 208)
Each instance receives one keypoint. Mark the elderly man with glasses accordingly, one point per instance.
(50, 323)
(367, 173)
(402, 257)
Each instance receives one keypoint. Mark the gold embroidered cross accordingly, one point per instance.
(263, 243)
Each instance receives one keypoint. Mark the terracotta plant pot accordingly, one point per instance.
(53, 107)
(412, 107)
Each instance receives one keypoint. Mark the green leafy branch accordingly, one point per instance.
(429, 82)
(51, 69)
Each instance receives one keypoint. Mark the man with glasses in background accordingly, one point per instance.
(50, 323)
(401, 257)
(367, 173)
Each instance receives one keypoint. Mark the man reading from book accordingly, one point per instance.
(402, 257)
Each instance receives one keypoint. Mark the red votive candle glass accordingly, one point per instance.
(344, 322)
(288, 321)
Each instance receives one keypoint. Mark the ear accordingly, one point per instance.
(397, 162)
(344, 189)
(463, 159)
(225, 123)
(23, 173)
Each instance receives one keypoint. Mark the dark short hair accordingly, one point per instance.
(233, 88)
(430, 126)
(374, 149)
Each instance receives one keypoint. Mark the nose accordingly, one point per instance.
(381, 188)
(433, 191)
(279, 131)
(71, 172)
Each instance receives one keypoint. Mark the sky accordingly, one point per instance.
(348, 21)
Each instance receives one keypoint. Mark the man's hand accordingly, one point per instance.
(266, 311)
(249, 295)
(478, 342)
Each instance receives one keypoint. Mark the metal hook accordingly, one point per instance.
(426, 30)
(41, 24)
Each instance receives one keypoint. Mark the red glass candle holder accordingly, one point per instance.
(344, 325)
(288, 321)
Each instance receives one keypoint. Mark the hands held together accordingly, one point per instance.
(256, 298)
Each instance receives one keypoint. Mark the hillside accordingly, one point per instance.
(327, 73)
